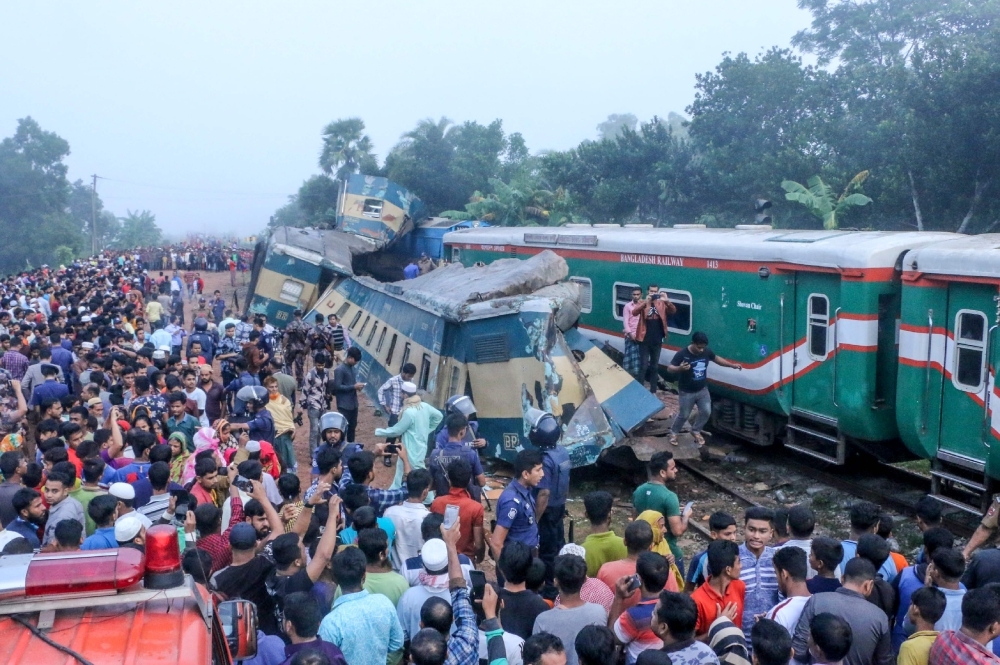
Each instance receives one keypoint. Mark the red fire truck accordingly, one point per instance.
(103, 607)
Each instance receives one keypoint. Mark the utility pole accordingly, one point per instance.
(93, 216)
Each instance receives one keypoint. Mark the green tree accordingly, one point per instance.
(139, 229)
(34, 194)
(821, 201)
(347, 149)
(617, 122)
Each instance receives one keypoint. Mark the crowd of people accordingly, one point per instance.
(116, 417)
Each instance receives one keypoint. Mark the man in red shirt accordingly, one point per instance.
(723, 593)
(470, 513)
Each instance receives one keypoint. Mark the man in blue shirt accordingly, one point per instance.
(102, 510)
(50, 388)
(456, 428)
(864, 519)
(516, 506)
(61, 357)
(30, 514)
(551, 492)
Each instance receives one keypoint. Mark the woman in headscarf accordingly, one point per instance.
(178, 455)
(224, 435)
(657, 522)
(204, 439)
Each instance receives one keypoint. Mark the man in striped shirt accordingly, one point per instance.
(756, 559)
(340, 341)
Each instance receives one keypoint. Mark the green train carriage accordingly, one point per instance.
(948, 408)
(811, 315)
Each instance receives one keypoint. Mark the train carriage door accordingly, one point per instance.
(970, 318)
(817, 302)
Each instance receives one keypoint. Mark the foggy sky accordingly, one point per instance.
(209, 114)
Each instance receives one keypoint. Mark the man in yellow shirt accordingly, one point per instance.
(284, 426)
(926, 608)
(154, 314)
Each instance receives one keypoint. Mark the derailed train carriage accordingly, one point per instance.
(878, 341)
(502, 334)
(292, 267)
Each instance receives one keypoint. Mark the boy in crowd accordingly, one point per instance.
(926, 608)
(723, 593)
(603, 544)
(824, 557)
(721, 526)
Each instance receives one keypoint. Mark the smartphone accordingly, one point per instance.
(180, 495)
(391, 448)
(687, 507)
(450, 515)
(493, 526)
(634, 584)
(223, 470)
(478, 578)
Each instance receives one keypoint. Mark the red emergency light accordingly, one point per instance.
(163, 558)
(95, 571)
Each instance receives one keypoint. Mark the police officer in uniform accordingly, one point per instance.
(551, 492)
(987, 528)
(332, 427)
(296, 341)
(203, 337)
(463, 405)
(516, 506)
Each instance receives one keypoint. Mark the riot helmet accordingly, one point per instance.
(461, 404)
(256, 395)
(545, 430)
(201, 324)
(332, 420)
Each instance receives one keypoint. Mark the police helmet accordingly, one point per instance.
(256, 394)
(322, 358)
(460, 404)
(201, 324)
(545, 430)
(332, 420)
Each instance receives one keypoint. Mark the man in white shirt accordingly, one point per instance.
(195, 393)
(407, 517)
(801, 522)
(790, 567)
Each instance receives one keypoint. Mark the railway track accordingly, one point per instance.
(893, 496)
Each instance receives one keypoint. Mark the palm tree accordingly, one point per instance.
(820, 200)
(346, 148)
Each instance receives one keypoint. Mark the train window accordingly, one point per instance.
(425, 372)
(343, 310)
(291, 290)
(586, 294)
(363, 326)
(456, 255)
(371, 335)
(373, 208)
(455, 376)
(406, 356)
(970, 350)
(354, 322)
(680, 321)
(819, 327)
(392, 347)
(381, 339)
(623, 296)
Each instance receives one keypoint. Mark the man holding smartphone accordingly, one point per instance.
(650, 332)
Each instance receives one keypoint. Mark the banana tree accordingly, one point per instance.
(820, 200)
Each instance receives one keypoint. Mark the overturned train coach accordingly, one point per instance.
(883, 342)
(293, 266)
(504, 335)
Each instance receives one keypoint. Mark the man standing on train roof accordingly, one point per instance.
(650, 332)
(691, 363)
(553, 489)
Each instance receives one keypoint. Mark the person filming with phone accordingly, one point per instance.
(416, 422)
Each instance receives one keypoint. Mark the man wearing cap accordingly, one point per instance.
(125, 494)
(131, 532)
(433, 584)
(416, 422)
